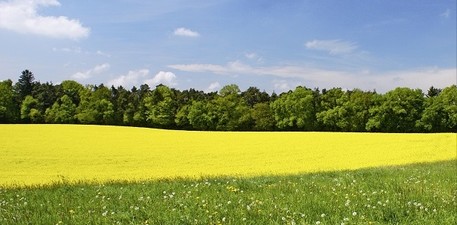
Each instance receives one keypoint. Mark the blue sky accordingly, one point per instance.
(273, 45)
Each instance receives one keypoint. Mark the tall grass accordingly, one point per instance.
(415, 194)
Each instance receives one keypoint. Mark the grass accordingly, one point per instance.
(45, 154)
(415, 194)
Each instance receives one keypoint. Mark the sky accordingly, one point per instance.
(272, 45)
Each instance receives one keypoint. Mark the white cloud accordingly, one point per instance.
(22, 16)
(186, 32)
(102, 53)
(333, 47)
(165, 78)
(130, 79)
(281, 85)
(253, 56)
(98, 69)
(421, 78)
(446, 14)
(215, 86)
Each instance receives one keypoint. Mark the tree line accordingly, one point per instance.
(230, 109)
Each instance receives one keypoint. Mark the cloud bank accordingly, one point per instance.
(22, 16)
(421, 78)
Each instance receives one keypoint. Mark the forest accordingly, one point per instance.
(402, 110)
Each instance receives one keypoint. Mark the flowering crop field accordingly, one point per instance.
(45, 154)
(59, 174)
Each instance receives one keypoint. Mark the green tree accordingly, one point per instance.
(253, 96)
(350, 111)
(181, 119)
(357, 110)
(161, 107)
(201, 117)
(46, 94)
(263, 117)
(398, 111)
(295, 110)
(120, 100)
(332, 114)
(440, 114)
(24, 85)
(30, 111)
(63, 112)
(231, 89)
(8, 109)
(230, 110)
(95, 106)
(72, 89)
(433, 92)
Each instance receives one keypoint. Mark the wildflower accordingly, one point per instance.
(322, 215)
(354, 213)
(318, 222)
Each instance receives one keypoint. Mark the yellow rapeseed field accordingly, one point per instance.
(43, 154)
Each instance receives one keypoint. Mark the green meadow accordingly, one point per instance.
(414, 194)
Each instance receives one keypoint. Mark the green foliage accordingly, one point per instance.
(95, 106)
(8, 111)
(24, 85)
(230, 110)
(231, 89)
(440, 113)
(63, 113)
(295, 110)
(303, 109)
(348, 112)
(263, 117)
(201, 117)
(333, 116)
(29, 110)
(415, 194)
(72, 89)
(398, 111)
(161, 107)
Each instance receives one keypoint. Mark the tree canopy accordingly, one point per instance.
(303, 109)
